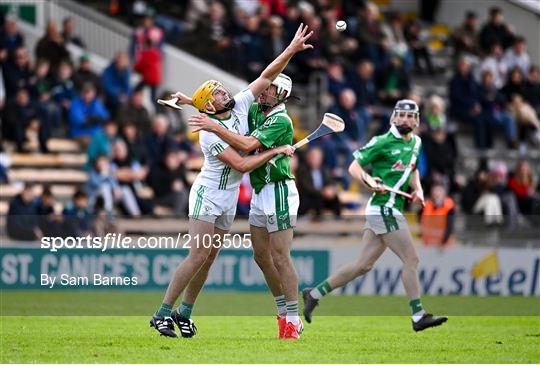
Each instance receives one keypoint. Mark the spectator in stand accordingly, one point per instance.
(251, 59)
(22, 219)
(134, 111)
(50, 223)
(478, 198)
(64, 90)
(115, 81)
(335, 44)
(465, 100)
(102, 183)
(495, 64)
(523, 184)
(517, 56)
(418, 45)
(437, 220)
(494, 113)
(355, 125)
(85, 74)
(143, 34)
(49, 113)
(10, 37)
(68, 33)
(158, 141)
(465, 38)
(77, 217)
(130, 174)
(17, 73)
(532, 88)
(368, 32)
(394, 83)
(515, 92)
(101, 142)
(393, 31)
(337, 82)
(52, 48)
(148, 64)
(274, 42)
(135, 143)
(21, 114)
(168, 180)
(495, 31)
(317, 190)
(439, 153)
(499, 176)
(87, 114)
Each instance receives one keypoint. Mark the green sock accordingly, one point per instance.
(321, 290)
(416, 306)
(164, 311)
(185, 310)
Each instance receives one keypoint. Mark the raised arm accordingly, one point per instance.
(248, 163)
(246, 144)
(278, 65)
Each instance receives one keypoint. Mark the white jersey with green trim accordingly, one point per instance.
(215, 173)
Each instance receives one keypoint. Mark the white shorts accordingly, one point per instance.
(275, 207)
(213, 205)
(383, 220)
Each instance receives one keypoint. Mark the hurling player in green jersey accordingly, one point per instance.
(393, 159)
(274, 205)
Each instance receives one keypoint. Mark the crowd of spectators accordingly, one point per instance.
(374, 63)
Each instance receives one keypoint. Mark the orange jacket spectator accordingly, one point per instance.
(437, 220)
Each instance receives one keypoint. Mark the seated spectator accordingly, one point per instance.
(17, 73)
(495, 30)
(337, 82)
(77, 217)
(10, 37)
(250, 43)
(158, 141)
(68, 33)
(394, 32)
(168, 180)
(64, 90)
(129, 173)
(517, 56)
(102, 183)
(21, 115)
(495, 64)
(418, 45)
(515, 92)
(50, 223)
(523, 184)
(135, 143)
(369, 32)
(394, 82)
(465, 38)
(134, 111)
(532, 88)
(147, 31)
(317, 190)
(85, 74)
(437, 220)
(478, 198)
(87, 114)
(439, 153)
(101, 142)
(465, 105)
(115, 81)
(52, 48)
(494, 113)
(22, 219)
(435, 113)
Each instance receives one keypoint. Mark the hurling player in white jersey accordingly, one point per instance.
(214, 195)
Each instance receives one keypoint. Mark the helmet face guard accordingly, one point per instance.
(206, 96)
(401, 110)
(283, 84)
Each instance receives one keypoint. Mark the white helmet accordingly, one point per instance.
(283, 83)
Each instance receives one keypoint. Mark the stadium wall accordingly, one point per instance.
(441, 272)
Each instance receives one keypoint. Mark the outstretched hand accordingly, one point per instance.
(182, 98)
(298, 43)
(200, 122)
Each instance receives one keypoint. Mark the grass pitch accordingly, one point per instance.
(251, 339)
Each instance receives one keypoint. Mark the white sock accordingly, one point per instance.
(292, 312)
(418, 316)
(315, 293)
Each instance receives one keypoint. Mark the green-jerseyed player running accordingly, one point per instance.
(274, 204)
(393, 159)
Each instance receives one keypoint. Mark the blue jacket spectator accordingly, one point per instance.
(101, 143)
(158, 142)
(115, 80)
(87, 113)
(63, 92)
(10, 37)
(355, 125)
(77, 218)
